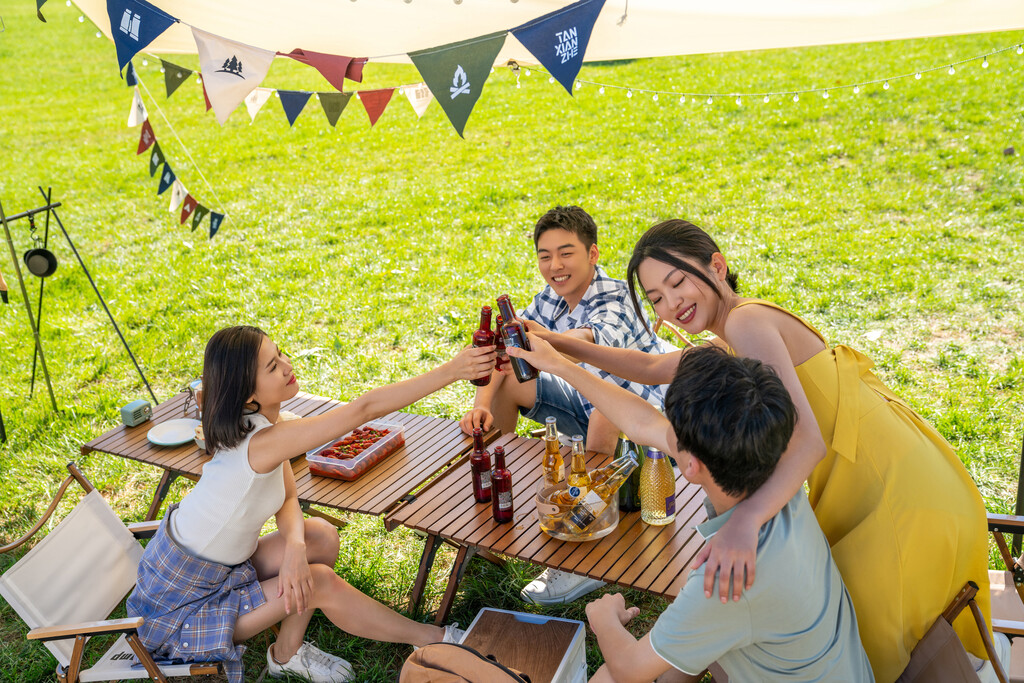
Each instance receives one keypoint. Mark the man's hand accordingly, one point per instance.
(477, 418)
(610, 608)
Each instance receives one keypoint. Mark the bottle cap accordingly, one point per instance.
(654, 453)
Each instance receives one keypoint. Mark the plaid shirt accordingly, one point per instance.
(607, 311)
(190, 605)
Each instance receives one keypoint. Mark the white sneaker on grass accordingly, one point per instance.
(311, 663)
(452, 634)
(554, 587)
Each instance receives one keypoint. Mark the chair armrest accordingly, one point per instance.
(1006, 523)
(1013, 628)
(85, 628)
(144, 529)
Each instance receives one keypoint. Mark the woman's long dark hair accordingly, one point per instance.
(229, 379)
(670, 242)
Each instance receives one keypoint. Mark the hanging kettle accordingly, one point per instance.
(40, 262)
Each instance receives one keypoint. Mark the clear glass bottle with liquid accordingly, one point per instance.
(578, 479)
(553, 464)
(657, 489)
(589, 508)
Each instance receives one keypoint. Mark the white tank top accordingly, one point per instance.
(221, 519)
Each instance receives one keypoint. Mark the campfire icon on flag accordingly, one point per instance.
(460, 82)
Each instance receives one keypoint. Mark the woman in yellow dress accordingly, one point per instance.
(905, 521)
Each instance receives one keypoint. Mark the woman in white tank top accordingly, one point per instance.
(208, 581)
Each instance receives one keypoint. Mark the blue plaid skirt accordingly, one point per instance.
(190, 605)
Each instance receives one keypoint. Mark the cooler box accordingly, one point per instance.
(547, 649)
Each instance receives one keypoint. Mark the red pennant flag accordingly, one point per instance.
(374, 101)
(207, 98)
(335, 68)
(147, 138)
(187, 207)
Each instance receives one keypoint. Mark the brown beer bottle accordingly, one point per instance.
(499, 344)
(514, 334)
(501, 488)
(483, 337)
(480, 466)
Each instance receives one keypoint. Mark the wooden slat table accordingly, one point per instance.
(651, 558)
(431, 445)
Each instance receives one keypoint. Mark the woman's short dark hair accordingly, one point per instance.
(570, 218)
(229, 380)
(670, 242)
(733, 414)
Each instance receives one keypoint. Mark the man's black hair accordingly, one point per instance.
(570, 218)
(733, 414)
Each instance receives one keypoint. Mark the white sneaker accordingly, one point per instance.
(452, 634)
(554, 586)
(311, 663)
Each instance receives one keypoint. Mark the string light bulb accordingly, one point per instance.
(766, 98)
(601, 90)
(629, 94)
(98, 34)
(68, 3)
(527, 72)
(952, 70)
(655, 98)
(551, 79)
(81, 19)
(578, 85)
(824, 95)
(710, 99)
(145, 62)
(885, 86)
(796, 98)
(917, 76)
(984, 63)
(739, 102)
(1020, 49)
(682, 99)
(856, 90)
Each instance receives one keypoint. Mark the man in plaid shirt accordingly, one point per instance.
(579, 300)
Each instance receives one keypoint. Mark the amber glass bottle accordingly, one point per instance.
(501, 488)
(483, 337)
(480, 465)
(514, 334)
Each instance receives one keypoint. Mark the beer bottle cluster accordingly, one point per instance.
(509, 331)
(491, 486)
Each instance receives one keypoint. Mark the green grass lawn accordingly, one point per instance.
(891, 219)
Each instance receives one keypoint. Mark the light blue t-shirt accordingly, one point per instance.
(796, 623)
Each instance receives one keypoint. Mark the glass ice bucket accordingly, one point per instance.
(554, 502)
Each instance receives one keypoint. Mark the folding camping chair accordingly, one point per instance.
(1008, 592)
(66, 587)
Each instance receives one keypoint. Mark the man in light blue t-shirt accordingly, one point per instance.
(728, 421)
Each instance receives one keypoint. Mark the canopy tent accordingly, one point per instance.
(386, 30)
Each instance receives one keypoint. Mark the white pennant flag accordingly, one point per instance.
(256, 99)
(230, 70)
(178, 194)
(419, 96)
(138, 113)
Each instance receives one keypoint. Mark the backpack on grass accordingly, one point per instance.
(451, 663)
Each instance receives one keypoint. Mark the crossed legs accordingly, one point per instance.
(346, 607)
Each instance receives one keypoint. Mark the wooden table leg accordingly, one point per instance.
(161, 492)
(313, 512)
(491, 557)
(454, 579)
(430, 545)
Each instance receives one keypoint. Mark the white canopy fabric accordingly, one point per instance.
(385, 30)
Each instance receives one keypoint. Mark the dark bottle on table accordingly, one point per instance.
(501, 488)
(499, 346)
(514, 333)
(480, 465)
(629, 492)
(483, 337)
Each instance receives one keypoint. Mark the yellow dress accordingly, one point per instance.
(905, 521)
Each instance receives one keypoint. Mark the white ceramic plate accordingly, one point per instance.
(173, 432)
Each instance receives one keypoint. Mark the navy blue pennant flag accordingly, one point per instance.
(215, 220)
(166, 179)
(134, 24)
(130, 79)
(559, 39)
(293, 101)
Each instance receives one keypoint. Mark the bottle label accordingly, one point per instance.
(670, 505)
(485, 480)
(505, 501)
(578, 491)
(582, 516)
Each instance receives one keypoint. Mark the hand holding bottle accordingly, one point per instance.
(477, 418)
(472, 363)
(543, 356)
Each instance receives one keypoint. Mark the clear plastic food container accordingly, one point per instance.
(552, 506)
(351, 468)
